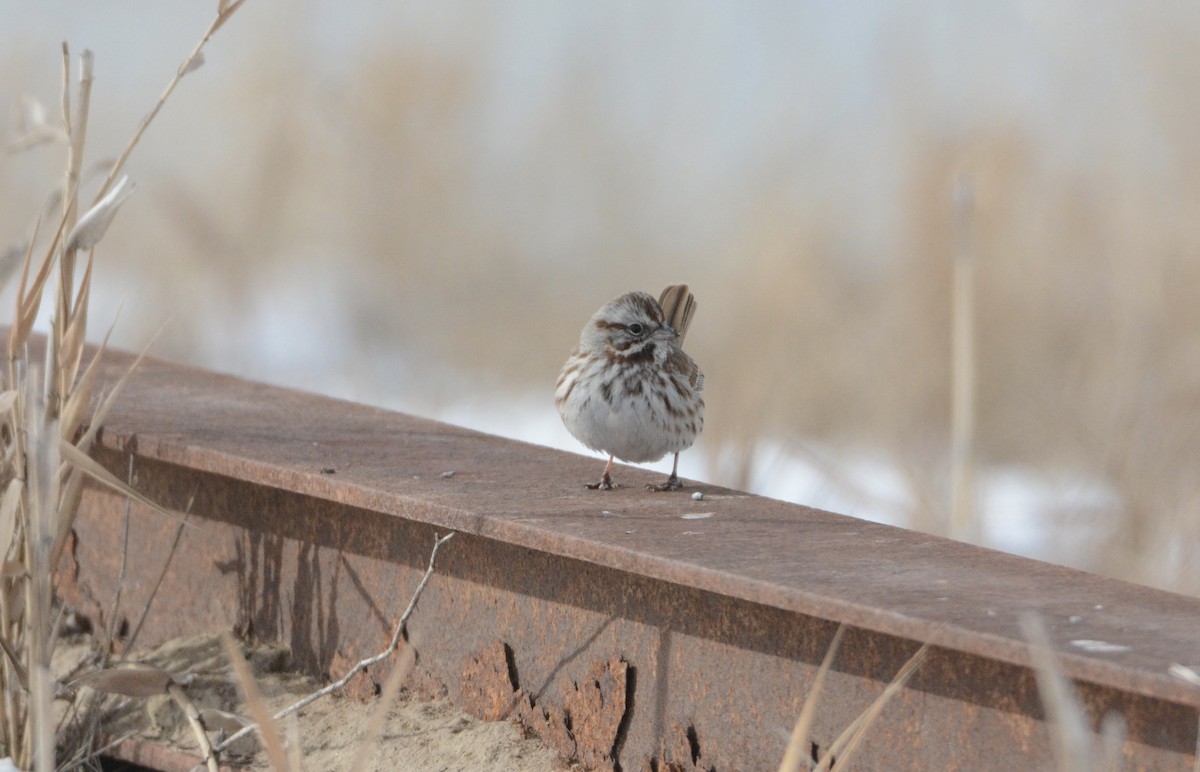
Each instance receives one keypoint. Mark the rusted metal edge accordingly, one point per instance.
(780, 555)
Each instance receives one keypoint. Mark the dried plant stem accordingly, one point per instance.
(11, 668)
(363, 664)
(223, 13)
(56, 387)
(42, 409)
(66, 88)
(292, 728)
(137, 628)
(257, 706)
(78, 135)
(85, 752)
(193, 719)
(847, 742)
(963, 521)
(843, 748)
(43, 490)
(1064, 711)
(793, 757)
(115, 612)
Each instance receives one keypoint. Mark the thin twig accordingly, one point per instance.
(86, 752)
(133, 636)
(111, 632)
(362, 665)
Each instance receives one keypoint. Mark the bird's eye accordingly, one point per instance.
(635, 329)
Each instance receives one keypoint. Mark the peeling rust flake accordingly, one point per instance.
(488, 690)
(597, 708)
(549, 724)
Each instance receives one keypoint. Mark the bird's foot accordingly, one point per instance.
(605, 484)
(673, 483)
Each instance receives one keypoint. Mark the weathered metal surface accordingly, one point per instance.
(486, 689)
(314, 517)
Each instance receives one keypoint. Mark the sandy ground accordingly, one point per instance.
(418, 735)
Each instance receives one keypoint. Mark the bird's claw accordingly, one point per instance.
(605, 484)
(673, 483)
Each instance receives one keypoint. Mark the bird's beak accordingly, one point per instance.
(665, 332)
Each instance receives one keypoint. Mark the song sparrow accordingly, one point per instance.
(628, 389)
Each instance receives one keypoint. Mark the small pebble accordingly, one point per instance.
(1074, 619)
(697, 496)
(448, 475)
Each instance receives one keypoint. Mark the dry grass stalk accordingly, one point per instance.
(225, 10)
(963, 523)
(43, 448)
(197, 725)
(1074, 747)
(794, 756)
(42, 487)
(137, 628)
(110, 632)
(276, 752)
(1069, 730)
(142, 681)
(843, 748)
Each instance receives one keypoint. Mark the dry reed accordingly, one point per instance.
(51, 411)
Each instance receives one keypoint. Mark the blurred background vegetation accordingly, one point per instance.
(419, 204)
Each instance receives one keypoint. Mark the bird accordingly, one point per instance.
(629, 389)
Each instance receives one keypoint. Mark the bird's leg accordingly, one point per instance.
(606, 483)
(672, 483)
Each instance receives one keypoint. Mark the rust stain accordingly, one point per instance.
(679, 752)
(596, 708)
(487, 688)
(550, 724)
(584, 731)
(361, 687)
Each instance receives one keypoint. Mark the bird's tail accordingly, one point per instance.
(678, 305)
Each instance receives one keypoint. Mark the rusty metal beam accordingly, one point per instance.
(313, 520)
